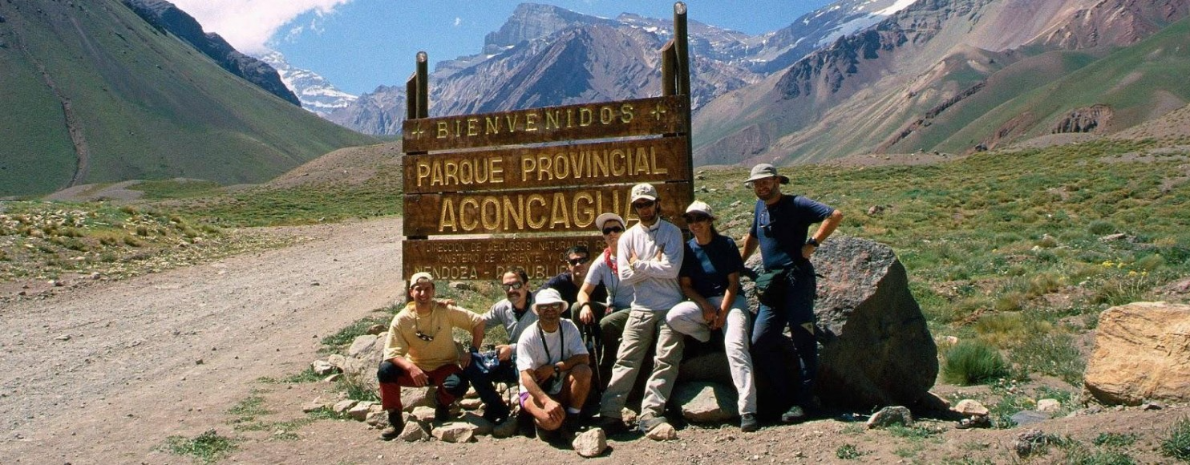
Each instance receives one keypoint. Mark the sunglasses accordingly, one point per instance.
(643, 205)
(423, 336)
(577, 261)
(511, 286)
(697, 218)
(612, 229)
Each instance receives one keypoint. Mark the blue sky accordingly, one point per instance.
(361, 44)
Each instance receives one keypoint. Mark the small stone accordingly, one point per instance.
(1152, 406)
(332, 378)
(663, 432)
(470, 404)
(344, 405)
(414, 432)
(969, 407)
(322, 367)
(377, 329)
(455, 432)
(312, 406)
(889, 416)
(423, 413)
(591, 443)
(64, 337)
(1048, 405)
(360, 411)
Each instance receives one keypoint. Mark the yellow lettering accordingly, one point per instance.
(443, 130)
(642, 162)
(493, 125)
(577, 160)
(497, 170)
(626, 113)
(468, 208)
(458, 127)
(606, 115)
(490, 222)
(535, 198)
(514, 214)
(599, 164)
(569, 117)
(531, 122)
(472, 127)
(543, 167)
(585, 117)
(583, 216)
(436, 175)
(618, 169)
(512, 121)
(467, 171)
(559, 217)
(447, 217)
(452, 173)
(528, 164)
(551, 119)
(561, 166)
(423, 172)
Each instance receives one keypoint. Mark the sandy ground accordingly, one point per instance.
(105, 373)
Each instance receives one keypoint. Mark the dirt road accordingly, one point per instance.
(103, 374)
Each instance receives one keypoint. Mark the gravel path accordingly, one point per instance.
(102, 374)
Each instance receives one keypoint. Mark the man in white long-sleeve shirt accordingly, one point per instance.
(648, 257)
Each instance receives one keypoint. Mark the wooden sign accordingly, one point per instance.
(488, 259)
(626, 118)
(529, 211)
(643, 160)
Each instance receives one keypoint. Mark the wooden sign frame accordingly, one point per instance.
(487, 192)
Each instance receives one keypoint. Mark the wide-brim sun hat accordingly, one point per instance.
(547, 296)
(765, 170)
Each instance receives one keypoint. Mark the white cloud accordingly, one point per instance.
(248, 24)
(458, 21)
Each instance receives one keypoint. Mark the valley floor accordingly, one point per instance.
(106, 373)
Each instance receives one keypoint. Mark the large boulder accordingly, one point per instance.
(875, 347)
(1142, 352)
(705, 402)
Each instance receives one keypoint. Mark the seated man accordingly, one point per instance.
(555, 376)
(420, 350)
(514, 314)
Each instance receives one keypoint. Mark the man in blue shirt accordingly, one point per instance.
(779, 226)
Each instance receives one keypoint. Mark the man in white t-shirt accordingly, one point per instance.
(555, 375)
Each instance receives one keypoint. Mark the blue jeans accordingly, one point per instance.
(771, 349)
(484, 382)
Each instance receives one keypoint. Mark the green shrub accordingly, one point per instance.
(973, 362)
(1053, 353)
(1114, 439)
(848, 452)
(208, 446)
(1100, 228)
(1178, 443)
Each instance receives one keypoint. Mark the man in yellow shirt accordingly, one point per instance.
(420, 350)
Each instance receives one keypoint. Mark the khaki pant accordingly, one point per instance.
(642, 330)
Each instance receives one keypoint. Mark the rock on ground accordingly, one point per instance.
(591, 443)
(1142, 352)
(664, 432)
(455, 432)
(969, 407)
(889, 416)
(703, 402)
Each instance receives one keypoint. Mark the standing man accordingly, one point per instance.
(604, 320)
(514, 314)
(779, 226)
(567, 283)
(555, 376)
(420, 349)
(648, 257)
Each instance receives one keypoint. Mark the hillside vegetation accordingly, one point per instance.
(95, 94)
(998, 245)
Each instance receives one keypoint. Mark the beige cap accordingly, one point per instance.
(645, 191)
(420, 276)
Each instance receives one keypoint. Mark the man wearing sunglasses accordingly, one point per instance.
(554, 374)
(514, 314)
(420, 350)
(567, 283)
(605, 318)
(779, 228)
(648, 258)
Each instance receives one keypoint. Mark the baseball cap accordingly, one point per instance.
(645, 191)
(420, 276)
(603, 219)
(699, 206)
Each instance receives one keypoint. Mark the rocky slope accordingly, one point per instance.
(546, 55)
(165, 16)
(315, 92)
(918, 78)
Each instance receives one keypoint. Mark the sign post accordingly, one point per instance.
(485, 192)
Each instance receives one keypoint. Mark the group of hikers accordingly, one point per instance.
(647, 291)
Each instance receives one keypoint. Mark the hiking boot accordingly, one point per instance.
(496, 414)
(748, 423)
(795, 414)
(611, 425)
(525, 424)
(442, 413)
(647, 424)
(396, 425)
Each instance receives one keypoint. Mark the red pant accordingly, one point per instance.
(392, 377)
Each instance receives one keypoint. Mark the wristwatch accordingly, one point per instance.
(812, 241)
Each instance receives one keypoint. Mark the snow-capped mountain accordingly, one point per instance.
(315, 92)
